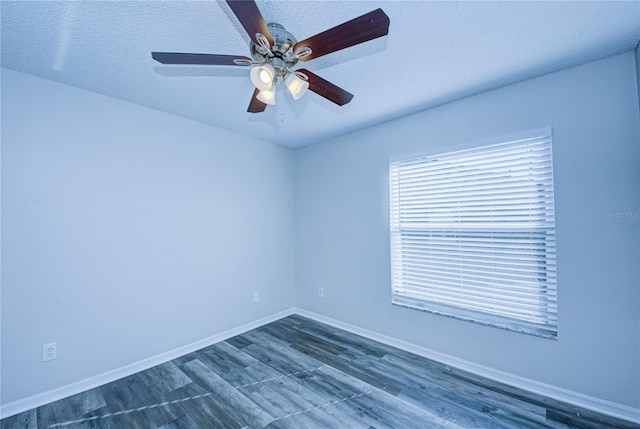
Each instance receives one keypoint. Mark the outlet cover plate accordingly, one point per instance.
(49, 352)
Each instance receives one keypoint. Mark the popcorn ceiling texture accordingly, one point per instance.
(436, 52)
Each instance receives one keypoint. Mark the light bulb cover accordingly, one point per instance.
(262, 76)
(267, 96)
(296, 86)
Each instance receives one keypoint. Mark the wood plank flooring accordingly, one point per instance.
(297, 373)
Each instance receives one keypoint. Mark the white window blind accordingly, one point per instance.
(473, 235)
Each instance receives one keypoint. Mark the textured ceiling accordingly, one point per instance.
(436, 52)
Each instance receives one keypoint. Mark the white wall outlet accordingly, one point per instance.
(321, 292)
(256, 296)
(49, 352)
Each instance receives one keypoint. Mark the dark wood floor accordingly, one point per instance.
(297, 373)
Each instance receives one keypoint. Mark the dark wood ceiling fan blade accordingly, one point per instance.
(361, 29)
(251, 19)
(326, 89)
(256, 106)
(197, 59)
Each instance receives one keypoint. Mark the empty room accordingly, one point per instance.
(319, 214)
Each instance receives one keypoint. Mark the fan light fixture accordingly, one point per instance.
(275, 61)
(267, 96)
(265, 76)
(297, 86)
(262, 76)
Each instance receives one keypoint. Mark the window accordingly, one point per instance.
(473, 235)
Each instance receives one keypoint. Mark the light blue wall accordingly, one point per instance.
(638, 71)
(127, 232)
(638, 87)
(342, 236)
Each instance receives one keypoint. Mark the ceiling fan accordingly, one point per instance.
(275, 52)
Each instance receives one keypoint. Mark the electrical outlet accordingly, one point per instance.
(321, 292)
(49, 352)
(256, 296)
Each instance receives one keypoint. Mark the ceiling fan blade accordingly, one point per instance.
(326, 89)
(361, 29)
(251, 19)
(256, 106)
(198, 59)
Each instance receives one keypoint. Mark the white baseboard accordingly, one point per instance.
(25, 404)
(589, 402)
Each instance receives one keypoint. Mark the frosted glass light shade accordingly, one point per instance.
(297, 87)
(262, 76)
(267, 96)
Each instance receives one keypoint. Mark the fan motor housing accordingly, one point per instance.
(282, 48)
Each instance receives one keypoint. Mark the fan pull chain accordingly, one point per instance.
(281, 120)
